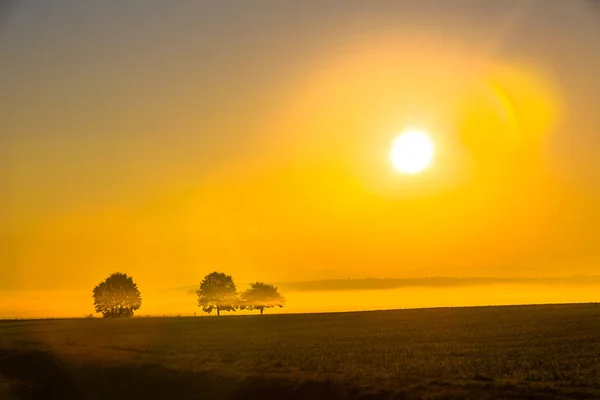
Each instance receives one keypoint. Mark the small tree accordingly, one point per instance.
(217, 291)
(260, 296)
(117, 296)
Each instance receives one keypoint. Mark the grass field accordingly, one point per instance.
(528, 352)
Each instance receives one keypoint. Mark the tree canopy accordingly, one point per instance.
(260, 296)
(217, 291)
(117, 296)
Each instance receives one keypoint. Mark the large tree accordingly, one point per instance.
(117, 296)
(260, 296)
(217, 292)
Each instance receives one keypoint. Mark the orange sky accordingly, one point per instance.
(167, 148)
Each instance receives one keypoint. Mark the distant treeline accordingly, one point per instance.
(375, 283)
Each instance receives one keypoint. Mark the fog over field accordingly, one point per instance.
(329, 296)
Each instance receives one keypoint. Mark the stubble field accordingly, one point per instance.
(526, 352)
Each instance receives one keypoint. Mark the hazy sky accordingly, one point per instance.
(171, 139)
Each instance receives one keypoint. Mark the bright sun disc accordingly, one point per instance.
(412, 152)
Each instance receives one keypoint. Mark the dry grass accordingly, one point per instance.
(529, 352)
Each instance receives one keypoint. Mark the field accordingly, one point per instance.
(526, 352)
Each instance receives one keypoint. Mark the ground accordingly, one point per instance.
(525, 352)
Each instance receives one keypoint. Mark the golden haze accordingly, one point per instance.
(310, 192)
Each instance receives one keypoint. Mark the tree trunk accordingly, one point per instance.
(261, 310)
(218, 311)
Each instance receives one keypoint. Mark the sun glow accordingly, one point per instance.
(412, 152)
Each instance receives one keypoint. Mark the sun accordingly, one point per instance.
(412, 151)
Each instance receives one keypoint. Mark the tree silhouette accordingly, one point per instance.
(117, 296)
(217, 291)
(260, 296)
